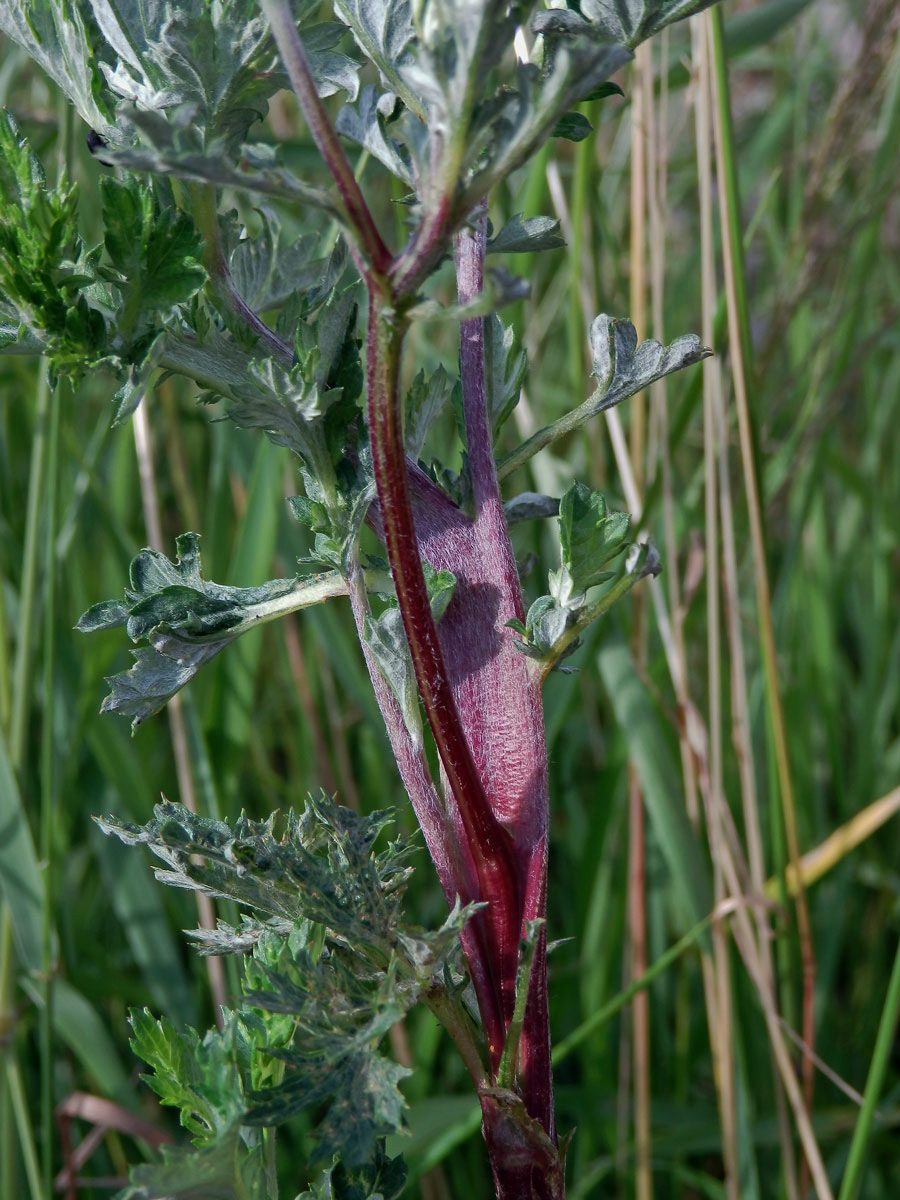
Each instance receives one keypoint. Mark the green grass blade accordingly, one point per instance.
(656, 769)
(21, 881)
(884, 1044)
(86, 1033)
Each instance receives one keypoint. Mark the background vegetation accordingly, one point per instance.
(813, 89)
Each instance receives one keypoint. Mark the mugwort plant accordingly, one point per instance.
(304, 339)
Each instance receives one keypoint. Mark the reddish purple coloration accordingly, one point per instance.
(493, 721)
(487, 833)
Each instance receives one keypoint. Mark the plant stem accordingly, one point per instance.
(48, 800)
(506, 1075)
(489, 843)
(203, 205)
(22, 691)
(455, 1020)
(739, 337)
(372, 256)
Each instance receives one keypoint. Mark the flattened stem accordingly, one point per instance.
(490, 845)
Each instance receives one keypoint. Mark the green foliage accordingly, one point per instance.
(185, 621)
(80, 307)
(425, 401)
(45, 269)
(623, 368)
(627, 22)
(526, 235)
(505, 369)
(591, 538)
(154, 255)
(386, 639)
(333, 967)
(382, 1179)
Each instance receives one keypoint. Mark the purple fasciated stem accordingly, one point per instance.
(489, 840)
(488, 843)
(454, 866)
(510, 674)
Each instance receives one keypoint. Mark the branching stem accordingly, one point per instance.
(490, 844)
(203, 203)
(371, 254)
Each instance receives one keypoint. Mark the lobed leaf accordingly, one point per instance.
(386, 638)
(425, 401)
(628, 22)
(526, 235)
(48, 294)
(623, 368)
(187, 621)
(333, 967)
(383, 1178)
(591, 538)
(60, 40)
(505, 368)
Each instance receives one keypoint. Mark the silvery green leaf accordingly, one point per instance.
(331, 70)
(508, 128)
(332, 967)
(526, 236)
(137, 380)
(228, 939)
(383, 29)
(622, 367)
(440, 586)
(16, 338)
(220, 59)
(545, 622)
(505, 367)
(265, 270)
(365, 125)
(530, 506)
(590, 537)
(308, 406)
(573, 126)
(171, 145)
(284, 403)
(153, 680)
(386, 638)
(320, 867)
(425, 401)
(187, 620)
(59, 40)
(633, 21)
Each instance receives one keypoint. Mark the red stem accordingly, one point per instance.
(490, 845)
(374, 251)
